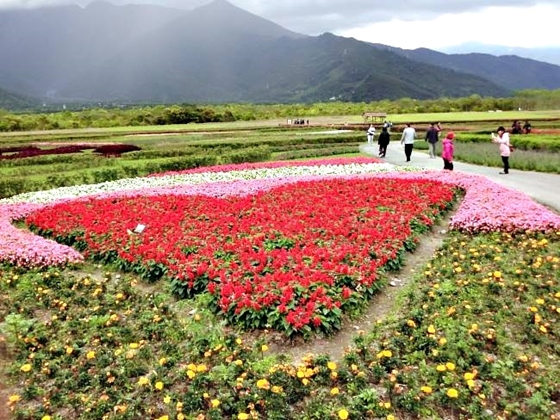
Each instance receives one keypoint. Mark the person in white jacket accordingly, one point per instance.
(505, 148)
(370, 134)
(407, 138)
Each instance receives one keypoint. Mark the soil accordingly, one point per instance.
(382, 305)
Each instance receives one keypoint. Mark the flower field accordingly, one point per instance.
(294, 247)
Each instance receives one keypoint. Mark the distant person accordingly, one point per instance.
(447, 151)
(503, 140)
(383, 141)
(407, 138)
(516, 127)
(387, 125)
(370, 134)
(432, 137)
(527, 127)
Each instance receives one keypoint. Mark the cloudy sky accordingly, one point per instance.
(434, 24)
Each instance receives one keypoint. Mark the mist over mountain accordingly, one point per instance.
(221, 53)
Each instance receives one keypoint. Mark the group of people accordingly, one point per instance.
(516, 127)
(408, 138)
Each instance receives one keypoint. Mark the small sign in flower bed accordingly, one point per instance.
(293, 258)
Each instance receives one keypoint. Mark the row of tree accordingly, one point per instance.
(129, 115)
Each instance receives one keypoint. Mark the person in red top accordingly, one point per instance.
(447, 151)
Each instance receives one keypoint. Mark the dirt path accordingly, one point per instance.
(380, 306)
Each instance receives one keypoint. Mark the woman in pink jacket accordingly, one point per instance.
(503, 140)
(447, 151)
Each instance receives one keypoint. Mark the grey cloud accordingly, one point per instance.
(317, 16)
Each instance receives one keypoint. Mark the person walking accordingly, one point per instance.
(432, 137)
(407, 138)
(383, 141)
(505, 149)
(370, 134)
(448, 148)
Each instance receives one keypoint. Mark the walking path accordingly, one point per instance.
(543, 188)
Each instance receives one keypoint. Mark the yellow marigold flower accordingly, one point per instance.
(162, 361)
(450, 366)
(243, 416)
(305, 381)
(159, 385)
(277, 389)
(543, 329)
(497, 274)
(143, 381)
(431, 329)
(334, 375)
(471, 383)
(133, 345)
(167, 399)
(264, 348)
(14, 398)
(411, 323)
(426, 389)
(442, 341)
(263, 384)
(239, 341)
(191, 374)
(343, 414)
(215, 403)
(540, 301)
(238, 362)
(441, 368)
(331, 365)
(452, 393)
(90, 355)
(201, 368)
(69, 349)
(390, 417)
(191, 366)
(387, 405)
(468, 376)
(335, 391)
(46, 417)
(165, 417)
(26, 367)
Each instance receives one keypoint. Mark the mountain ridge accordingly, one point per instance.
(219, 52)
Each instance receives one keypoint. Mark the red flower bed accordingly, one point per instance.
(32, 151)
(292, 258)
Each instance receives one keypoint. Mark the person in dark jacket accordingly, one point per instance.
(432, 137)
(383, 141)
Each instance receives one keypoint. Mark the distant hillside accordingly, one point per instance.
(221, 53)
(546, 54)
(509, 71)
(14, 102)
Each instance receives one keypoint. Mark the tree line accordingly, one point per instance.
(85, 116)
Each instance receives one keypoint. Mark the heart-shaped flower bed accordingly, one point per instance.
(292, 258)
